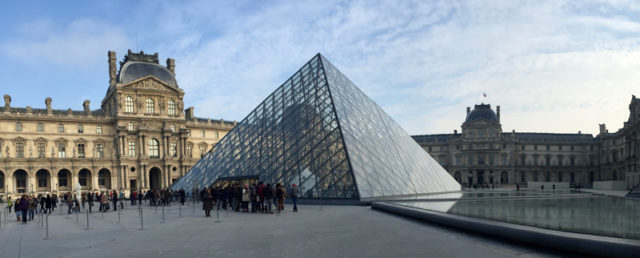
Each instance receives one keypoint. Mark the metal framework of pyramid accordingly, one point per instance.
(319, 131)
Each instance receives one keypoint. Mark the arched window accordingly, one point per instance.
(171, 107)
(150, 106)
(128, 104)
(153, 148)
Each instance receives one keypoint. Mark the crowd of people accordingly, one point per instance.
(254, 198)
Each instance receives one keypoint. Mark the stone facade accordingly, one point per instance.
(484, 155)
(140, 138)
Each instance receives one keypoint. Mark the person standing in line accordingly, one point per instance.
(261, 197)
(43, 204)
(32, 207)
(48, 204)
(246, 197)
(104, 201)
(54, 202)
(69, 200)
(9, 204)
(18, 209)
(90, 201)
(280, 196)
(295, 191)
(24, 208)
(207, 203)
(114, 199)
(268, 195)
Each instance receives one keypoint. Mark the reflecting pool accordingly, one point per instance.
(589, 214)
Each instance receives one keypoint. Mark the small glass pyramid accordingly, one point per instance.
(319, 131)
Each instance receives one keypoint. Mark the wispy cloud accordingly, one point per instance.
(553, 66)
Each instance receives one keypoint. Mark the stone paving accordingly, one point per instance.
(315, 231)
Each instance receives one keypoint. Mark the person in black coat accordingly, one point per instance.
(114, 199)
(207, 202)
(90, 200)
(48, 204)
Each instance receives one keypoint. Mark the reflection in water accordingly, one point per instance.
(597, 215)
(490, 193)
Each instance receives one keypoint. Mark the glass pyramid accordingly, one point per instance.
(319, 131)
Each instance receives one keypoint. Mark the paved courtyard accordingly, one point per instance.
(315, 231)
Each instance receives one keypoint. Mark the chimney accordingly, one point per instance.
(455, 132)
(86, 106)
(188, 113)
(468, 110)
(498, 111)
(7, 102)
(603, 128)
(47, 102)
(112, 68)
(171, 65)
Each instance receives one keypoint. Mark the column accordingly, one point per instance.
(144, 175)
(74, 179)
(124, 177)
(94, 179)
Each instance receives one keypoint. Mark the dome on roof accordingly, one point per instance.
(483, 111)
(134, 70)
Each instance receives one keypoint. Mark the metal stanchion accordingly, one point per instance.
(141, 220)
(163, 214)
(47, 228)
(180, 208)
(87, 228)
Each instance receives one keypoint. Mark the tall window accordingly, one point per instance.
(19, 149)
(128, 104)
(217, 135)
(62, 178)
(100, 150)
(40, 127)
(60, 128)
(62, 150)
(82, 178)
(42, 180)
(174, 149)
(81, 150)
(173, 128)
(80, 128)
(171, 107)
(153, 148)
(98, 129)
(202, 133)
(203, 149)
(41, 150)
(150, 106)
(18, 126)
(130, 126)
(132, 149)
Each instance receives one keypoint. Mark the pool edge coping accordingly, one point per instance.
(566, 241)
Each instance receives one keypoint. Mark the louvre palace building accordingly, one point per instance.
(482, 154)
(140, 137)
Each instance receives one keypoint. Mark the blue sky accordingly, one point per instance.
(552, 66)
